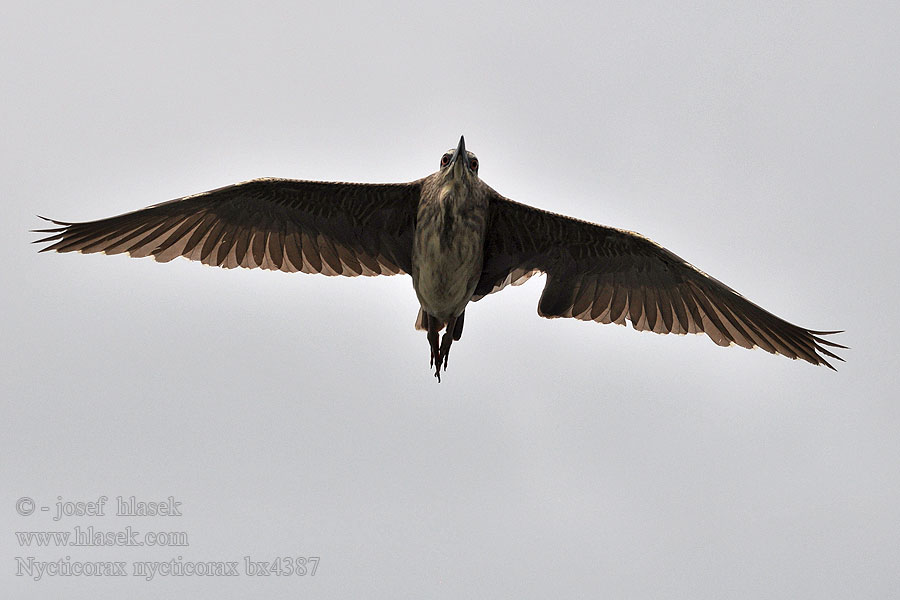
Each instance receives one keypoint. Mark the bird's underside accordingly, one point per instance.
(460, 240)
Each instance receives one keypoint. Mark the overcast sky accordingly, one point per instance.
(295, 415)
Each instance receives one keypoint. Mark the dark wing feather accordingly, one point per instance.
(608, 275)
(280, 224)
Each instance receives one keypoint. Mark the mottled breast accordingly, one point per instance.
(448, 248)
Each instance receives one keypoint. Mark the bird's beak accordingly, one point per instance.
(460, 153)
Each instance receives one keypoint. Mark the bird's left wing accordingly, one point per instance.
(609, 275)
(280, 224)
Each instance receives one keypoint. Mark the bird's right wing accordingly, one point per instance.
(608, 275)
(280, 224)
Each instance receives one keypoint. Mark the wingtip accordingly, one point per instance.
(56, 233)
(62, 225)
(820, 350)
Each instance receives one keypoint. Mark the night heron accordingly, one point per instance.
(459, 240)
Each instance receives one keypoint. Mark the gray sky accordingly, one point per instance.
(295, 415)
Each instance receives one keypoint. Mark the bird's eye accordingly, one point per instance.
(445, 160)
(473, 164)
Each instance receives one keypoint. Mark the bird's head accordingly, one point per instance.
(458, 162)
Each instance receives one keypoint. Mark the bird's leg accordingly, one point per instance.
(432, 325)
(449, 336)
(457, 328)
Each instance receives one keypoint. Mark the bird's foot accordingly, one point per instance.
(435, 349)
(437, 362)
(444, 354)
(439, 352)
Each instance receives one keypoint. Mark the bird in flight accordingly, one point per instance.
(459, 240)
